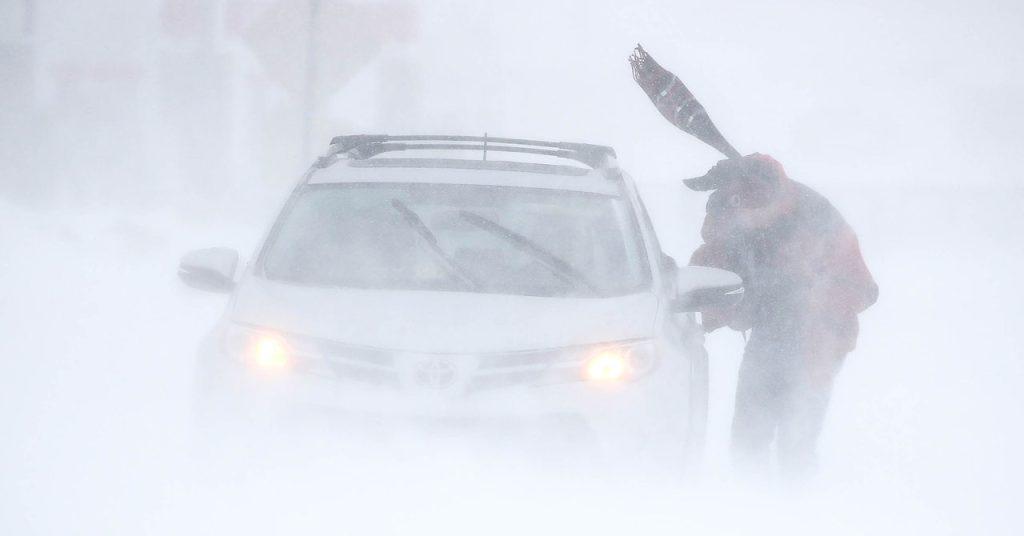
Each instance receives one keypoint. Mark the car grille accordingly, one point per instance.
(360, 364)
(469, 373)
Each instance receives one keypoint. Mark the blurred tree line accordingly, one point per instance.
(190, 102)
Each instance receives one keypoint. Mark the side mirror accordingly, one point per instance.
(210, 269)
(699, 288)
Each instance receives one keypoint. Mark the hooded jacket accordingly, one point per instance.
(799, 259)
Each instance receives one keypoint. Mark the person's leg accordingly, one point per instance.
(803, 415)
(758, 406)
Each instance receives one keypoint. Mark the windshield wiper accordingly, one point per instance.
(559, 267)
(414, 221)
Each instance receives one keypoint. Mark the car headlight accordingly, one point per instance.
(260, 349)
(614, 363)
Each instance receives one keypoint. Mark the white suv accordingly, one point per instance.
(466, 290)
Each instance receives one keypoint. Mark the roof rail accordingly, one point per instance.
(361, 146)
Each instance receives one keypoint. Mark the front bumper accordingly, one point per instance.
(655, 404)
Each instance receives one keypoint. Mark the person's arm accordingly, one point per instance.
(841, 285)
(716, 256)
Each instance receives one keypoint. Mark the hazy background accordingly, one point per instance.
(131, 131)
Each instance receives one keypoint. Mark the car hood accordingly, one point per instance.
(442, 322)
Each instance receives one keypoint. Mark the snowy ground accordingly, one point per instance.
(924, 434)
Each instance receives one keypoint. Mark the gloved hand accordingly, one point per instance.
(723, 256)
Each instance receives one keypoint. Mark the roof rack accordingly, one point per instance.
(362, 146)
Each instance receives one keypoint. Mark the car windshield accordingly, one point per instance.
(507, 240)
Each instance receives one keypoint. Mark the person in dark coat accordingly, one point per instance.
(806, 282)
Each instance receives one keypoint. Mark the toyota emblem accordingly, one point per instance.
(436, 373)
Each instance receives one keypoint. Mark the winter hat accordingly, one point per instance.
(761, 172)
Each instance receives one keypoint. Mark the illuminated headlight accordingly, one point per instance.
(620, 362)
(261, 350)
